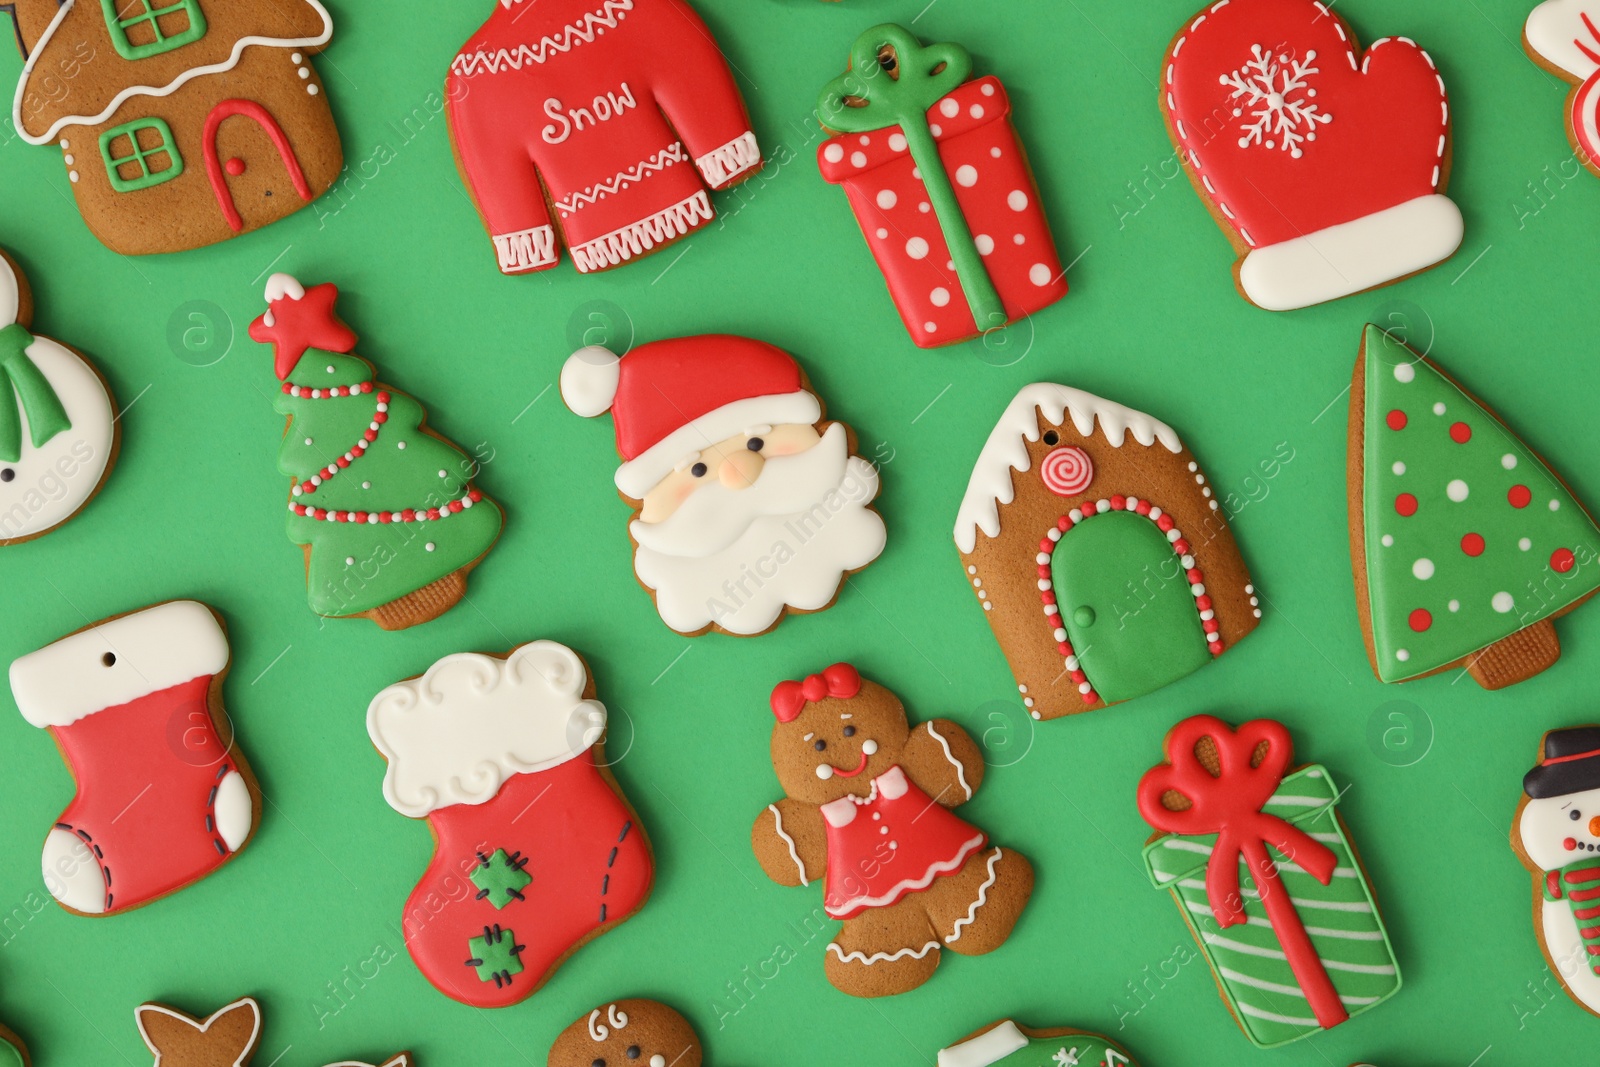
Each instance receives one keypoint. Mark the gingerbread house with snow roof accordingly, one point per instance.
(1098, 552)
(180, 122)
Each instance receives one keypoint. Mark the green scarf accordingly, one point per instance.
(34, 397)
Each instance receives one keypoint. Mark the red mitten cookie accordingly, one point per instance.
(228, 1037)
(1325, 166)
(619, 113)
(1563, 37)
(180, 123)
(938, 180)
(628, 1033)
(1006, 1044)
(59, 432)
(536, 851)
(1464, 544)
(1099, 553)
(866, 812)
(749, 504)
(164, 794)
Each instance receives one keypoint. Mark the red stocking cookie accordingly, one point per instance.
(866, 813)
(619, 113)
(750, 504)
(135, 705)
(536, 850)
(180, 122)
(1563, 37)
(1324, 165)
(628, 1033)
(228, 1037)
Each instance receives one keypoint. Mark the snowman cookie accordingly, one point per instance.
(58, 428)
(1556, 835)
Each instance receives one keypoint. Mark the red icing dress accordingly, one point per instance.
(894, 841)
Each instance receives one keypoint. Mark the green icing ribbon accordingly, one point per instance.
(34, 397)
(876, 93)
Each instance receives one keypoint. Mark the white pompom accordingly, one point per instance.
(284, 285)
(589, 380)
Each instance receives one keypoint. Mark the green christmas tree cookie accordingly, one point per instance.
(1465, 544)
(386, 509)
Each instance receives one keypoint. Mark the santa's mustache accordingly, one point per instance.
(714, 516)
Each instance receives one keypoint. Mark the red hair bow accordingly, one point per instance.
(790, 698)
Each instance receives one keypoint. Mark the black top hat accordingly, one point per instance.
(1571, 763)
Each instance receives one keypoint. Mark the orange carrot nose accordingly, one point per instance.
(1594, 826)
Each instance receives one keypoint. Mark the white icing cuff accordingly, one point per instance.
(117, 662)
(526, 250)
(989, 1047)
(639, 475)
(1352, 257)
(455, 734)
(635, 239)
(721, 165)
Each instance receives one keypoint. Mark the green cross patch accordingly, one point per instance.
(500, 878)
(495, 955)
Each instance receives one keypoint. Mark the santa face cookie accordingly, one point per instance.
(385, 508)
(1007, 1044)
(1556, 835)
(1563, 37)
(939, 182)
(1464, 544)
(628, 1033)
(58, 428)
(749, 504)
(135, 705)
(228, 1037)
(866, 812)
(187, 122)
(619, 114)
(536, 851)
(1098, 552)
(1325, 166)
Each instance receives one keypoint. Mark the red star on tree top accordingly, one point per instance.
(298, 319)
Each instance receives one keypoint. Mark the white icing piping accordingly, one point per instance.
(149, 90)
(637, 238)
(1006, 449)
(983, 898)
(961, 774)
(777, 817)
(909, 885)
(881, 957)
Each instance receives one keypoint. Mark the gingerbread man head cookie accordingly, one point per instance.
(750, 504)
(628, 1033)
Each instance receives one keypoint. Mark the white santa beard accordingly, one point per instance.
(1548, 822)
(797, 561)
(50, 483)
(714, 516)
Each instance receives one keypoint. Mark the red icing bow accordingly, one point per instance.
(790, 698)
(293, 324)
(1229, 805)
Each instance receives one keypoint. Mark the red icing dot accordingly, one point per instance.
(1460, 433)
(1563, 560)
(1519, 496)
(1472, 544)
(1406, 504)
(1420, 619)
(1396, 419)
(234, 166)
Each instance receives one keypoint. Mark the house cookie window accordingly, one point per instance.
(140, 154)
(144, 28)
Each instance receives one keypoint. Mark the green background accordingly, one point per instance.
(194, 510)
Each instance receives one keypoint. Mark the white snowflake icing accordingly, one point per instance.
(1275, 89)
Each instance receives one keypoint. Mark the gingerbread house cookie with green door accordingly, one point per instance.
(1099, 552)
(180, 123)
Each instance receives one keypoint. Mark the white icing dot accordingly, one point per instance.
(985, 243)
(976, 111)
(1386, 540)
(1017, 201)
(1524, 544)
(1402, 655)
(865, 139)
(858, 159)
(442, 474)
(1039, 274)
(887, 199)
(1019, 240)
(1508, 461)
(994, 153)
(916, 172)
(1454, 605)
(308, 440)
(882, 233)
(1399, 468)
(1502, 602)
(1456, 490)
(296, 57)
(940, 297)
(967, 175)
(935, 129)
(330, 368)
(931, 327)
(987, 89)
(312, 90)
(366, 485)
(974, 570)
(1438, 409)
(1404, 372)
(1555, 505)
(897, 141)
(1423, 569)
(949, 108)
(305, 72)
(65, 143)
(917, 248)
(429, 546)
(833, 153)
(69, 159)
(349, 561)
(400, 444)
(924, 207)
(72, 174)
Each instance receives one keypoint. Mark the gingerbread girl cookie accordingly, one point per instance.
(228, 1037)
(866, 812)
(628, 1033)
(1563, 37)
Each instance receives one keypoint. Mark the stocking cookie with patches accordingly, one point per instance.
(1464, 543)
(164, 795)
(1008, 1044)
(536, 851)
(868, 812)
(59, 432)
(628, 1033)
(748, 503)
(1556, 835)
(1324, 165)
(228, 1037)
(1563, 37)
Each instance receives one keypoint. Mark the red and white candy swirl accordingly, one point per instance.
(1067, 471)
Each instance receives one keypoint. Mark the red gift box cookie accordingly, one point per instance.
(939, 182)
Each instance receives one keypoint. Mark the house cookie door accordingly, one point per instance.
(252, 165)
(1126, 605)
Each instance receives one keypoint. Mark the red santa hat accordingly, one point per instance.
(670, 399)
